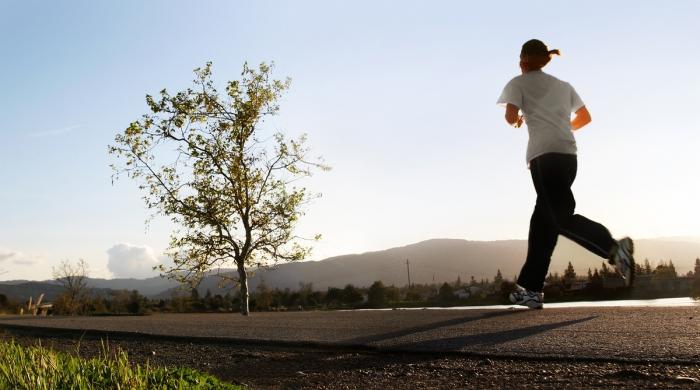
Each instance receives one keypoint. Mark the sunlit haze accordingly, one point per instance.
(397, 96)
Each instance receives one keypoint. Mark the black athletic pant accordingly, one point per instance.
(553, 174)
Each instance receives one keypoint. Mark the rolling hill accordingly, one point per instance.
(437, 260)
(441, 260)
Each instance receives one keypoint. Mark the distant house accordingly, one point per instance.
(578, 285)
(462, 293)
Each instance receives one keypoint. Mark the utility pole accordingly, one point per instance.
(408, 270)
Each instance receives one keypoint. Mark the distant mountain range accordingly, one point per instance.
(442, 260)
(429, 261)
(23, 289)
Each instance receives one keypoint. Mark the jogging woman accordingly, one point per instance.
(546, 104)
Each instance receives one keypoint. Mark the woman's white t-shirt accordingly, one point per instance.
(547, 104)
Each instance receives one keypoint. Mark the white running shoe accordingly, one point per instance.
(623, 260)
(528, 298)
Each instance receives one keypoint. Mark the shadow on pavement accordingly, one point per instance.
(424, 328)
(486, 339)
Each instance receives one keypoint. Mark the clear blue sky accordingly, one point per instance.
(398, 96)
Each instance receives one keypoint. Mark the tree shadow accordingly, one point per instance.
(486, 339)
(424, 328)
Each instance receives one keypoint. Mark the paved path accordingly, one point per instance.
(636, 334)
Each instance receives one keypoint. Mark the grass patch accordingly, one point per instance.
(41, 368)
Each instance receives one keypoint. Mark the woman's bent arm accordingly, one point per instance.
(512, 116)
(582, 118)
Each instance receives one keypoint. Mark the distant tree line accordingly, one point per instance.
(599, 283)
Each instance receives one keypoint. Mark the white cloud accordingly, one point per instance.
(18, 258)
(7, 254)
(28, 261)
(17, 265)
(132, 261)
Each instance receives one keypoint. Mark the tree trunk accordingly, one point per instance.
(243, 280)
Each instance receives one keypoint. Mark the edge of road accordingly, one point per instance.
(81, 333)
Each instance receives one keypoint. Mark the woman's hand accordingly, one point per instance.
(513, 116)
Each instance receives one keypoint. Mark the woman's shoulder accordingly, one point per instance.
(556, 79)
(518, 77)
(517, 80)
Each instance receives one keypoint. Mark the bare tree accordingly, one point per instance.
(73, 278)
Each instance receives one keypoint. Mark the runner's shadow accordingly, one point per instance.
(432, 326)
(487, 339)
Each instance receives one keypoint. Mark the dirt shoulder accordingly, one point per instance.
(279, 367)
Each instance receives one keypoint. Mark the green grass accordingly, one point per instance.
(41, 368)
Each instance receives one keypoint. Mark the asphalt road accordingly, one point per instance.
(639, 334)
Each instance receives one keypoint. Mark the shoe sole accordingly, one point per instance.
(537, 306)
(630, 281)
(529, 303)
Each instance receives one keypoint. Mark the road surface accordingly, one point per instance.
(632, 334)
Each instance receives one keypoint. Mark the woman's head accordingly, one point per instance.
(535, 55)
